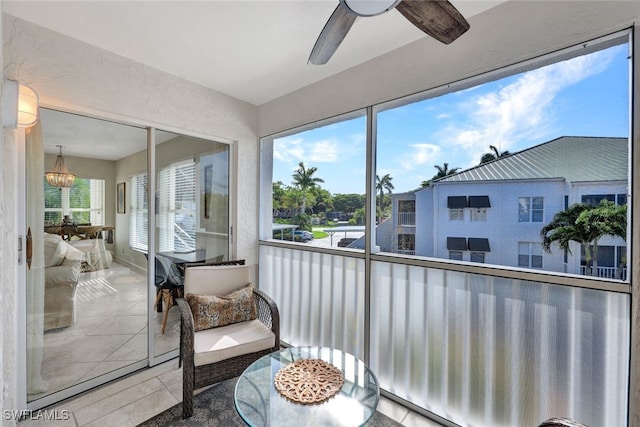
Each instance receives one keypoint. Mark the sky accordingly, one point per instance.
(583, 96)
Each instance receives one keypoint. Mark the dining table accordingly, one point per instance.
(82, 231)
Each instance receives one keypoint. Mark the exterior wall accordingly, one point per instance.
(74, 76)
(502, 227)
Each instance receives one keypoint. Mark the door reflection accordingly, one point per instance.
(192, 220)
(87, 294)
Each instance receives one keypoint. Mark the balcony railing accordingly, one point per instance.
(473, 349)
(605, 272)
(406, 218)
(406, 252)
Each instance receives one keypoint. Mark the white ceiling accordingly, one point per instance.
(109, 140)
(255, 51)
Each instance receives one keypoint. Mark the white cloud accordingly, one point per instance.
(288, 150)
(295, 150)
(323, 152)
(420, 154)
(520, 111)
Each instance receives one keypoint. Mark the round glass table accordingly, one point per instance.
(259, 403)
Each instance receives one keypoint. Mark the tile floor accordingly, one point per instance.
(136, 398)
(110, 330)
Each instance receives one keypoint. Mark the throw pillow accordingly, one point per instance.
(211, 311)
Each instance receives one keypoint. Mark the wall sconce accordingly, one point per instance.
(60, 175)
(19, 105)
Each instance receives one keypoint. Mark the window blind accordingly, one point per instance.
(138, 220)
(177, 206)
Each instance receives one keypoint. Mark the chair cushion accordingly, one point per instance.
(215, 280)
(211, 311)
(216, 344)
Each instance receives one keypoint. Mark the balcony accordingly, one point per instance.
(471, 348)
(605, 272)
(406, 218)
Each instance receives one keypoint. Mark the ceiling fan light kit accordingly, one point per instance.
(437, 18)
(370, 7)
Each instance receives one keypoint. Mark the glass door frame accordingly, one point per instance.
(21, 270)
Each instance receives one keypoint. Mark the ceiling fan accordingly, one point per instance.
(438, 18)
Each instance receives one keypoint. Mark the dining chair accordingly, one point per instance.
(561, 422)
(168, 281)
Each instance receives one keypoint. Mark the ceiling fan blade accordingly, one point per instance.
(334, 31)
(438, 18)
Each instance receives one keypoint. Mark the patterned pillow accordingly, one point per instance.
(211, 311)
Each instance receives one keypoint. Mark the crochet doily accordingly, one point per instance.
(309, 381)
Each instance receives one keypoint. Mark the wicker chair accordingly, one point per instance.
(217, 360)
(561, 422)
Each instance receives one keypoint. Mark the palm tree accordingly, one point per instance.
(585, 224)
(304, 180)
(383, 184)
(495, 154)
(444, 171)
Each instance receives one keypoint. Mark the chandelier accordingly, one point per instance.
(60, 175)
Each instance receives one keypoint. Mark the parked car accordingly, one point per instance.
(346, 241)
(302, 236)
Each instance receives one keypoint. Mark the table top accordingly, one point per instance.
(83, 231)
(260, 404)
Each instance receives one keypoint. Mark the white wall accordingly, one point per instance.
(73, 76)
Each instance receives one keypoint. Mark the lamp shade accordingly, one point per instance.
(27, 106)
(60, 175)
(19, 105)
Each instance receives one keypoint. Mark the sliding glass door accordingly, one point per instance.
(191, 221)
(87, 288)
(98, 229)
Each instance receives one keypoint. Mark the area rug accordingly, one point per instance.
(214, 407)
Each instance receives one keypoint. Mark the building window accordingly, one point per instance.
(83, 202)
(456, 214)
(455, 255)
(531, 209)
(477, 257)
(456, 206)
(595, 199)
(479, 206)
(407, 244)
(138, 212)
(478, 214)
(530, 254)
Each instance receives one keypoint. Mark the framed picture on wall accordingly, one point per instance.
(120, 197)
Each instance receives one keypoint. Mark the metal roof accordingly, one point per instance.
(574, 158)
